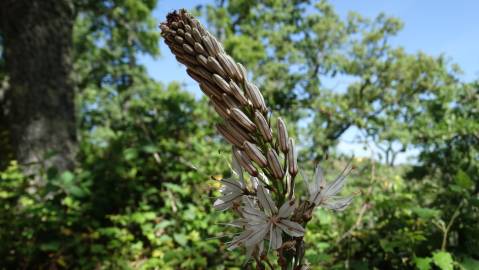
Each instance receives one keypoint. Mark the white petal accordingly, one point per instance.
(292, 228)
(316, 197)
(266, 201)
(231, 184)
(253, 215)
(338, 204)
(239, 240)
(286, 209)
(221, 205)
(258, 235)
(336, 186)
(318, 180)
(275, 238)
(226, 201)
(237, 169)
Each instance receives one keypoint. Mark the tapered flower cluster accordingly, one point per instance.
(268, 157)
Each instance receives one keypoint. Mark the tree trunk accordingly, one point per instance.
(38, 105)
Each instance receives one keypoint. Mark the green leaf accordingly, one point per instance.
(180, 239)
(463, 180)
(426, 213)
(423, 263)
(443, 260)
(470, 264)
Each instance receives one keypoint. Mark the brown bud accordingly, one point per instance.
(179, 40)
(236, 91)
(255, 154)
(221, 83)
(227, 65)
(189, 38)
(228, 136)
(242, 73)
(209, 89)
(255, 96)
(282, 135)
(292, 158)
(245, 162)
(229, 101)
(199, 48)
(263, 126)
(274, 165)
(215, 66)
(242, 119)
(196, 35)
(188, 49)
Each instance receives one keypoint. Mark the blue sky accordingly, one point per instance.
(434, 27)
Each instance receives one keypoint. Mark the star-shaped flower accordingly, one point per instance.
(270, 220)
(232, 189)
(325, 194)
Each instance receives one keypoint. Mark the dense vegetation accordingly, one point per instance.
(140, 196)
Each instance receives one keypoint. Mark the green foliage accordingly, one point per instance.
(140, 197)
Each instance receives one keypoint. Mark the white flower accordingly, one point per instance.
(269, 221)
(325, 194)
(233, 188)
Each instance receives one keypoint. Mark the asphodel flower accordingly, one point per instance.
(325, 194)
(233, 188)
(268, 223)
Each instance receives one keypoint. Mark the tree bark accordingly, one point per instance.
(38, 104)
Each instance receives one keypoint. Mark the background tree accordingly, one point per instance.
(38, 102)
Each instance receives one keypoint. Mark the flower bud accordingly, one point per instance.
(198, 47)
(263, 126)
(254, 153)
(188, 48)
(221, 83)
(215, 66)
(237, 93)
(274, 165)
(228, 136)
(245, 162)
(292, 158)
(282, 135)
(255, 96)
(242, 119)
